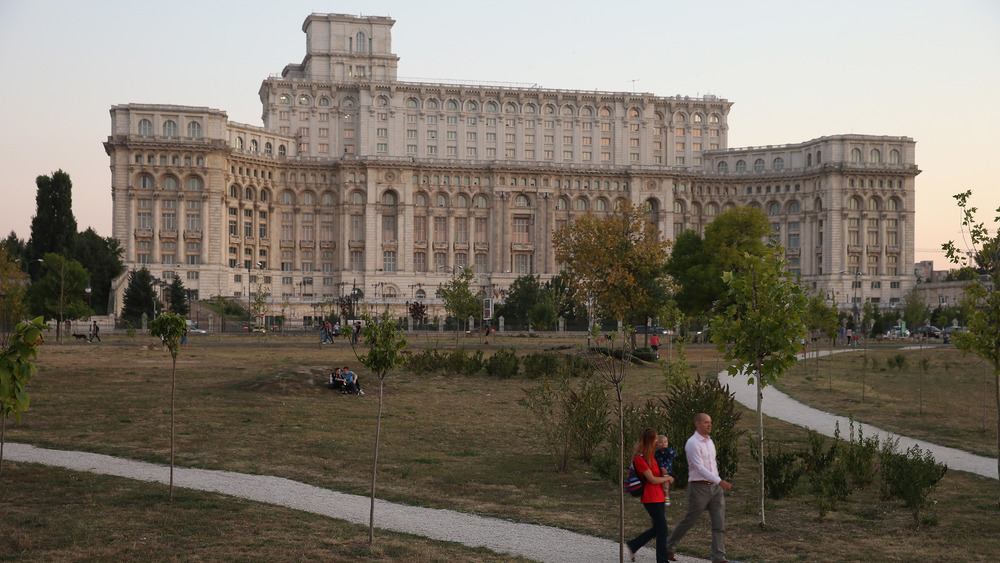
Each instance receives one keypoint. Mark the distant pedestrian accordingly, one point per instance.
(95, 332)
(654, 343)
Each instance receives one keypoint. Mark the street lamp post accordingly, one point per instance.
(250, 295)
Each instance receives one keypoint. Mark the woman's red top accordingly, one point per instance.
(650, 492)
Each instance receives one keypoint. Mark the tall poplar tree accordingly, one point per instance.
(53, 228)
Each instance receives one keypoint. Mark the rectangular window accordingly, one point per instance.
(382, 147)
(382, 131)
(357, 223)
(462, 229)
(440, 229)
(389, 261)
(470, 136)
(452, 135)
(419, 261)
(439, 261)
(461, 260)
(522, 264)
(480, 262)
(248, 229)
(357, 261)
(389, 228)
(522, 233)
(481, 232)
(420, 229)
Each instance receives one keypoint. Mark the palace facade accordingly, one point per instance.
(358, 182)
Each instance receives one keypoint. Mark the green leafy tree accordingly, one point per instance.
(140, 297)
(699, 283)
(177, 297)
(914, 310)
(17, 365)
(17, 249)
(170, 327)
(53, 228)
(61, 291)
(983, 336)
(102, 258)
(760, 332)
(618, 263)
(12, 292)
(542, 314)
(459, 300)
(523, 293)
(385, 343)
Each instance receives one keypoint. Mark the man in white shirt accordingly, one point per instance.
(705, 490)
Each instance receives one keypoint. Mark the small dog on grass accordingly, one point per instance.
(149, 347)
(80, 336)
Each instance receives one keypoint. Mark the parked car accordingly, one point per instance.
(641, 329)
(929, 332)
(953, 330)
(899, 332)
(255, 328)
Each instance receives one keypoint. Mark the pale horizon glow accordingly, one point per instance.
(795, 71)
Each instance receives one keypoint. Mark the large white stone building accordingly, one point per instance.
(357, 180)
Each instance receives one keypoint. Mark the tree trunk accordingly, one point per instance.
(173, 373)
(621, 477)
(378, 427)
(3, 437)
(760, 444)
(996, 376)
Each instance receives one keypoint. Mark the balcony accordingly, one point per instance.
(168, 234)
(328, 244)
(522, 247)
(420, 244)
(144, 233)
(482, 246)
(440, 246)
(307, 244)
(191, 234)
(793, 252)
(874, 249)
(461, 246)
(356, 245)
(854, 249)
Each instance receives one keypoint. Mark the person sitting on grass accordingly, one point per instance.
(352, 383)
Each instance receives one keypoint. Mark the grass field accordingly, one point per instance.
(455, 442)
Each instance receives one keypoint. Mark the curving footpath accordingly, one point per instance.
(539, 543)
(779, 405)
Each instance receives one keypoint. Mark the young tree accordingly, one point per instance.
(17, 365)
(459, 300)
(761, 331)
(418, 312)
(61, 291)
(139, 297)
(177, 297)
(522, 294)
(983, 336)
(53, 228)
(170, 327)
(102, 258)
(618, 263)
(12, 291)
(385, 344)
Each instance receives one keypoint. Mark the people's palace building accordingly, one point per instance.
(359, 181)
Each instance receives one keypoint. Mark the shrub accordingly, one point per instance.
(819, 458)
(782, 470)
(587, 411)
(829, 486)
(634, 420)
(859, 458)
(545, 401)
(644, 354)
(686, 400)
(503, 364)
(425, 362)
(910, 476)
(897, 362)
(540, 364)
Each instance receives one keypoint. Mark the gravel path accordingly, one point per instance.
(778, 405)
(539, 543)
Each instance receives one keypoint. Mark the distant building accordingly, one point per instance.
(359, 181)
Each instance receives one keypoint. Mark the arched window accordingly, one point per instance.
(194, 184)
(678, 207)
(711, 209)
(287, 198)
(779, 163)
(170, 128)
(452, 105)
(854, 203)
(481, 202)
(567, 110)
(268, 149)
(263, 195)
(145, 127)
(892, 204)
(327, 199)
(723, 166)
(580, 204)
(679, 117)
(601, 204)
(741, 165)
(714, 118)
(169, 183)
(819, 158)
(509, 107)
(432, 104)
(774, 209)
(471, 106)
(420, 200)
(521, 201)
(894, 156)
(146, 182)
(239, 143)
(411, 103)
(357, 198)
(549, 109)
(324, 101)
(530, 108)
(389, 198)
(461, 201)
(282, 151)
(562, 204)
(794, 207)
(855, 155)
(284, 99)
(440, 200)
(875, 156)
(587, 112)
(194, 130)
(634, 113)
(697, 118)
(491, 107)
(605, 112)
(809, 159)
(359, 42)
(421, 294)
(234, 192)
(253, 145)
(758, 165)
(873, 204)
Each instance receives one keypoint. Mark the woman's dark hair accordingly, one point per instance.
(646, 447)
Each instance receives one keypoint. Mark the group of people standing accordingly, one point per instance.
(653, 460)
(327, 331)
